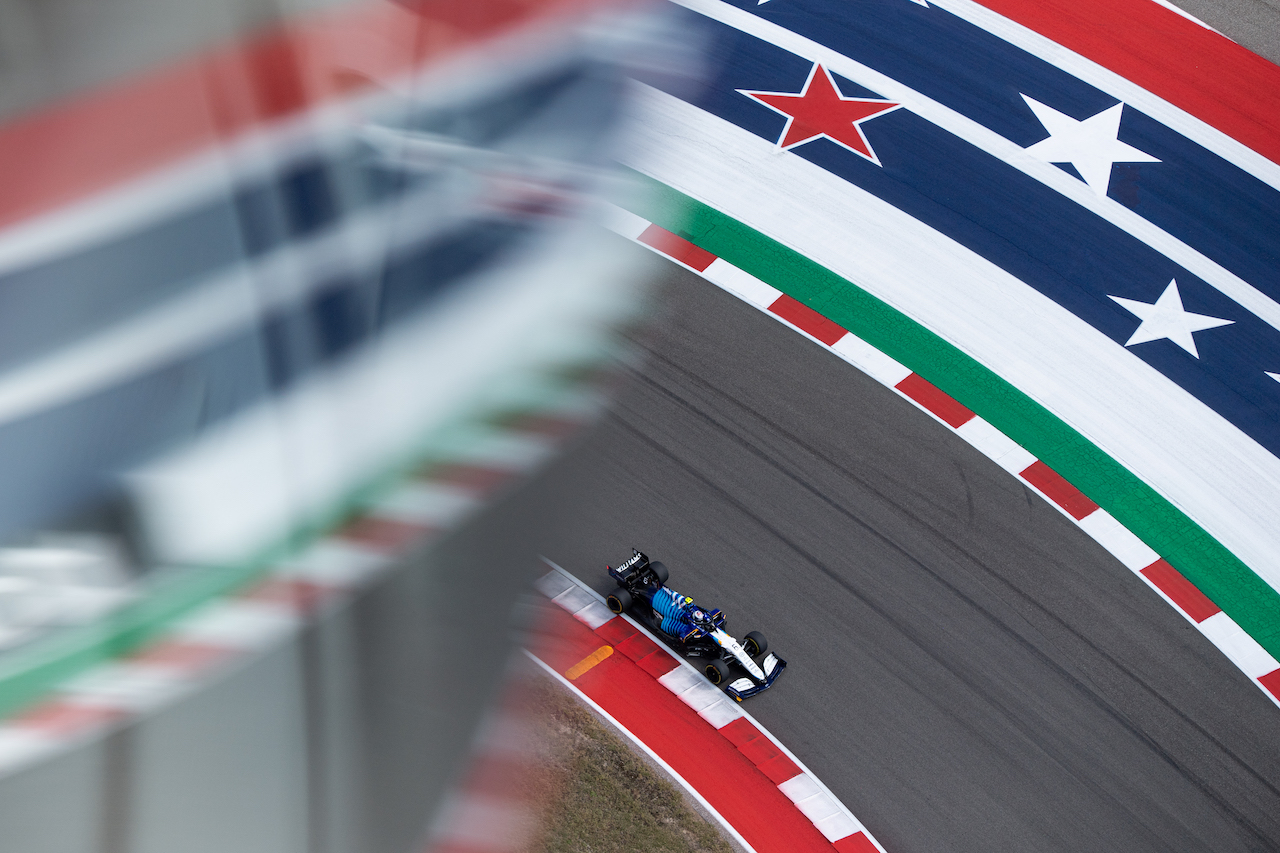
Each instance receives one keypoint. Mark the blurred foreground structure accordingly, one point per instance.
(288, 288)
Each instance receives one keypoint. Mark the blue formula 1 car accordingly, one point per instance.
(740, 669)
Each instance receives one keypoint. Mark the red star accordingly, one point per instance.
(820, 110)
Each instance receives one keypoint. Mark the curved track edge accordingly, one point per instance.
(1156, 564)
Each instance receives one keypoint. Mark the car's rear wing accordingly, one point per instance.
(630, 571)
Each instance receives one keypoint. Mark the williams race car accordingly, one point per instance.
(740, 669)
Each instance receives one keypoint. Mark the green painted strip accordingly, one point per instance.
(1232, 585)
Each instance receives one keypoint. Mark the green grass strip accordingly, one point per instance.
(1231, 584)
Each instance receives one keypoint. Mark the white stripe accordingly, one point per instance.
(419, 502)
(870, 360)
(1135, 554)
(20, 747)
(996, 446)
(1244, 651)
(1221, 478)
(237, 624)
(1118, 87)
(134, 687)
(741, 284)
(1188, 16)
(1225, 281)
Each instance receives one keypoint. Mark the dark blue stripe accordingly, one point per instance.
(1068, 254)
(1208, 203)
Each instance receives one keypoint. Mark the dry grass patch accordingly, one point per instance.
(603, 797)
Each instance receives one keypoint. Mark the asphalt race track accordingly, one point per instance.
(968, 671)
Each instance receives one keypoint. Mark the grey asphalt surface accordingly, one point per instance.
(968, 671)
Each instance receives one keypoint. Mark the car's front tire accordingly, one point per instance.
(717, 671)
(618, 600)
(755, 643)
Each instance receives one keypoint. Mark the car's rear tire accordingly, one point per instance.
(755, 643)
(660, 572)
(717, 671)
(618, 600)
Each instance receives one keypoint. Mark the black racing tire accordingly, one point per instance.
(718, 672)
(619, 600)
(755, 643)
(660, 572)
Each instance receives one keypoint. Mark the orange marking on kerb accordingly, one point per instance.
(576, 671)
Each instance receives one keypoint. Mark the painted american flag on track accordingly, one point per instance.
(1068, 204)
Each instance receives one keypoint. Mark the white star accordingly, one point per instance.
(1275, 376)
(1166, 318)
(1090, 145)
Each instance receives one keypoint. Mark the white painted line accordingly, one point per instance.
(237, 624)
(839, 825)
(553, 584)
(425, 502)
(594, 615)
(573, 599)
(995, 445)
(693, 792)
(700, 696)
(1135, 554)
(621, 221)
(333, 562)
(799, 788)
(818, 806)
(1243, 650)
(135, 688)
(870, 360)
(20, 746)
(741, 284)
(680, 679)
(721, 713)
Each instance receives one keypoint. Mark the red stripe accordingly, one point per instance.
(121, 131)
(745, 797)
(616, 631)
(677, 247)
(59, 717)
(1184, 593)
(808, 320)
(303, 596)
(182, 655)
(636, 646)
(1271, 681)
(940, 403)
(1058, 490)
(1208, 75)
(657, 664)
(477, 478)
(856, 843)
(384, 534)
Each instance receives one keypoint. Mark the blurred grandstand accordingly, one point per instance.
(260, 262)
